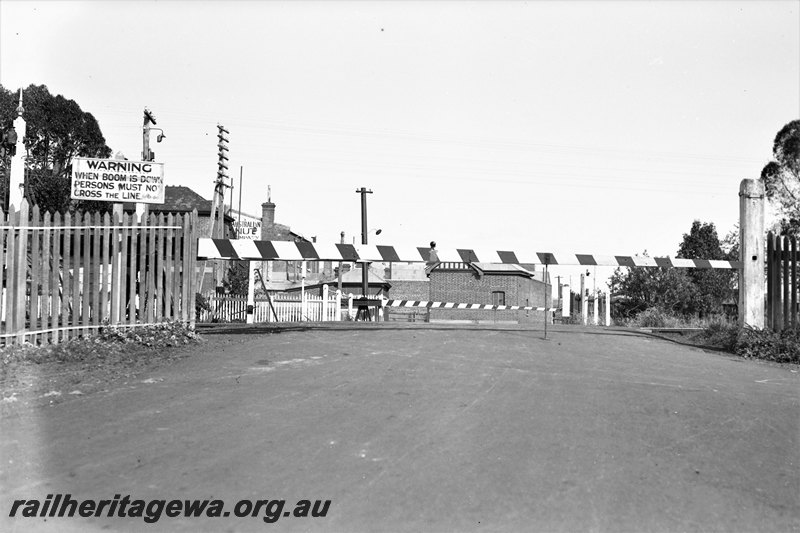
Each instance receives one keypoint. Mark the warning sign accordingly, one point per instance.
(110, 180)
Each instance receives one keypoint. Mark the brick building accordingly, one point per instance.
(487, 283)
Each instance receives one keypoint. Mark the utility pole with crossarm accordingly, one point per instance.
(217, 226)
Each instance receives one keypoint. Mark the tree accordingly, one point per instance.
(638, 289)
(781, 178)
(238, 279)
(713, 286)
(678, 291)
(57, 131)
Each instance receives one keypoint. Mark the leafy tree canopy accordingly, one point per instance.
(713, 286)
(678, 291)
(639, 289)
(781, 177)
(57, 131)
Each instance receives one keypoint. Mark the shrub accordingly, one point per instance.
(654, 318)
(782, 347)
(722, 334)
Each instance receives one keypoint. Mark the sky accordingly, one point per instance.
(575, 126)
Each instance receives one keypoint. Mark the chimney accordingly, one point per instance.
(267, 219)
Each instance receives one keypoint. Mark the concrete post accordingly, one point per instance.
(325, 303)
(596, 316)
(303, 302)
(566, 301)
(251, 291)
(584, 302)
(16, 173)
(608, 308)
(751, 253)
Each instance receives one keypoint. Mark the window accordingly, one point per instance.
(498, 298)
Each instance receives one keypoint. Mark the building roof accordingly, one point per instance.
(351, 278)
(179, 199)
(495, 269)
(354, 276)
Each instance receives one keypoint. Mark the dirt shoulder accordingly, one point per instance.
(36, 376)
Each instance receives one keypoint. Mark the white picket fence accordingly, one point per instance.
(289, 307)
(292, 307)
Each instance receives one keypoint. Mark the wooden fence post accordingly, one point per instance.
(794, 282)
(55, 278)
(158, 302)
(116, 269)
(86, 283)
(3, 291)
(151, 267)
(751, 253)
(48, 301)
(35, 261)
(135, 280)
(190, 235)
(22, 270)
(105, 263)
(787, 316)
(97, 271)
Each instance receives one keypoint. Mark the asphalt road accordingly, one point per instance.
(439, 429)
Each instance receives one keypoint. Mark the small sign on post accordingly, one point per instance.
(109, 180)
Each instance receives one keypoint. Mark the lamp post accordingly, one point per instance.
(147, 155)
(364, 233)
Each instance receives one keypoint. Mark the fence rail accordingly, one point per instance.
(64, 276)
(782, 281)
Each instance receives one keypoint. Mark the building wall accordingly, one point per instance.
(409, 289)
(204, 227)
(464, 286)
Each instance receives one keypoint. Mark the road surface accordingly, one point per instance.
(427, 429)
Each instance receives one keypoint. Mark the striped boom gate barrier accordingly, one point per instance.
(235, 250)
(450, 305)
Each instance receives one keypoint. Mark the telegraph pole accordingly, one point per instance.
(341, 264)
(217, 229)
(218, 203)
